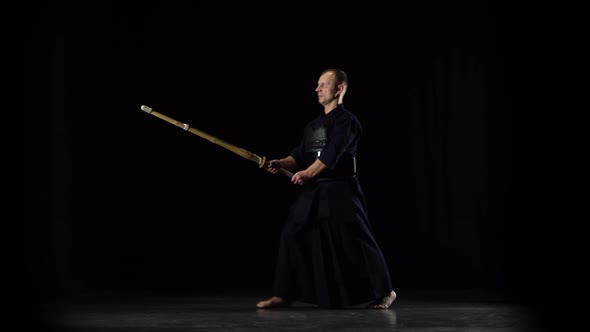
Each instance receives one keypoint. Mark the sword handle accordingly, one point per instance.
(285, 172)
(281, 170)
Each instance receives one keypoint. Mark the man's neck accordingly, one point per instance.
(330, 107)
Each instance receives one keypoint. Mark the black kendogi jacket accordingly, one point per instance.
(333, 138)
(335, 135)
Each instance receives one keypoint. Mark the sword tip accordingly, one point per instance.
(146, 109)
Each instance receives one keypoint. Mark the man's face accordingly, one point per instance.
(327, 88)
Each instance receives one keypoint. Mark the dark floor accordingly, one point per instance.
(414, 311)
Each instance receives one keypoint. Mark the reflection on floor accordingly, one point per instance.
(410, 312)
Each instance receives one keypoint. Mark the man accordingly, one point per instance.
(327, 254)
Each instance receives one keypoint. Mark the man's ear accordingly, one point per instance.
(342, 89)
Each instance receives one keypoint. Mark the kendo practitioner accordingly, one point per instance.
(327, 253)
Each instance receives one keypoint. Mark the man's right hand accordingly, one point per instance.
(273, 166)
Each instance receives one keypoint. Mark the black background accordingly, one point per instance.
(471, 160)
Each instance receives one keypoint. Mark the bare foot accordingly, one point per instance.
(384, 302)
(273, 302)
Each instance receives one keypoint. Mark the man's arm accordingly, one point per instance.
(287, 163)
(304, 176)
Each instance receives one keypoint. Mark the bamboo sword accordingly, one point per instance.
(261, 161)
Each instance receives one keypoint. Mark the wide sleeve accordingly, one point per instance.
(341, 136)
(298, 154)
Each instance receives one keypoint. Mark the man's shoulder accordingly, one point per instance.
(347, 114)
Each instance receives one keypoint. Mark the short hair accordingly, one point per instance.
(341, 76)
